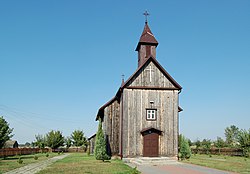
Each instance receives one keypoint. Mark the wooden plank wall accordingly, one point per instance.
(134, 120)
(157, 78)
(111, 125)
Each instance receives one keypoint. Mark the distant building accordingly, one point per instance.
(11, 144)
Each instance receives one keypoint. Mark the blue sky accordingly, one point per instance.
(61, 60)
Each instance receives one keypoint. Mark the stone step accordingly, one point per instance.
(151, 161)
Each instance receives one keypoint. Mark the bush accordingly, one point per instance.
(246, 152)
(100, 144)
(35, 157)
(134, 171)
(47, 154)
(20, 161)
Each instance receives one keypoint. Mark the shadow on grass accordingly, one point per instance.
(17, 157)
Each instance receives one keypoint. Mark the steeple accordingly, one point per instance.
(147, 44)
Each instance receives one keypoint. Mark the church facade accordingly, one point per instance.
(142, 119)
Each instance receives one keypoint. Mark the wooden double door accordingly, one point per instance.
(151, 144)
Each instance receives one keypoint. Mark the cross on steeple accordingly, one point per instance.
(146, 14)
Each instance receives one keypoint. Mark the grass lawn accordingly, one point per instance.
(77, 163)
(228, 163)
(10, 163)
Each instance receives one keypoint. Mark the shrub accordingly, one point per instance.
(244, 140)
(100, 145)
(20, 161)
(185, 151)
(47, 154)
(35, 157)
(134, 171)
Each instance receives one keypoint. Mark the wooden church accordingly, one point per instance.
(142, 118)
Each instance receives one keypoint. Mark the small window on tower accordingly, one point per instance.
(151, 114)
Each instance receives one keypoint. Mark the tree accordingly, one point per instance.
(100, 144)
(189, 142)
(5, 132)
(68, 142)
(54, 139)
(206, 144)
(40, 141)
(78, 138)
(185, 151)
(219, 143)
(197, 143)
(244, 140)
(231, 134)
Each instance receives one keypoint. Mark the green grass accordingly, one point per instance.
(228, 163)
(77, 163)
(10, 163)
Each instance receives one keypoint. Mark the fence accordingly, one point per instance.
(219, 151)
(20, 151)
(75, 149)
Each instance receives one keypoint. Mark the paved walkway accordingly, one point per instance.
(178, 168)
(36, 167)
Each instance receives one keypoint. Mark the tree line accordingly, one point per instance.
(54, 139)
(234, 138)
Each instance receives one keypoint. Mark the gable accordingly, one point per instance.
(151, 74)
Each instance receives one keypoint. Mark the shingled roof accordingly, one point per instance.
(147, 37)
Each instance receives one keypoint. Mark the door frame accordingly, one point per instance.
(146, 132)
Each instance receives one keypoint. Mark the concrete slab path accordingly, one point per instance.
(178, 168)
(36, 167)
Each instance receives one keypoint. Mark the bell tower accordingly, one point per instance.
(147, 44)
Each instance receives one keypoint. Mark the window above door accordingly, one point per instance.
(151, 114)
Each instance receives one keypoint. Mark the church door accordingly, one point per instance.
(151, 144)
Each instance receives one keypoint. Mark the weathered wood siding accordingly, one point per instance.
(142, 56)
(157, 78)
(92, 145)
(111, 125)
(135, 102)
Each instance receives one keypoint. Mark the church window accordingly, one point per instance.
(151, 114)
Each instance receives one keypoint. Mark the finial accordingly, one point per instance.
(146, 14)
(123, 79)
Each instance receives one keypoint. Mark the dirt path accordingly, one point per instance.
(36, 167)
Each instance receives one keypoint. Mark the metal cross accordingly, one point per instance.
(150, 73)
(146, 14)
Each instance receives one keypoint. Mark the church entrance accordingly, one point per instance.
(150, 145)
(150, 142)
